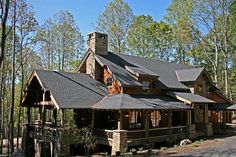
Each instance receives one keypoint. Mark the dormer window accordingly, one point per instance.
(146, 85)
(109, 81)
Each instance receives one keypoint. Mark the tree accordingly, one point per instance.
(4, 15)
(115, 21)
(26, 26)
(60, 41)
(139, 36)
(179, 15)
(204, 27)
(149, 38)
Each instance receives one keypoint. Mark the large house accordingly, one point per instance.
(126, 100)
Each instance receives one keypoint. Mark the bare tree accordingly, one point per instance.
(4, 4)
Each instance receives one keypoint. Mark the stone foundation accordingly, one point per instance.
(209, 129)
(192, 131)
(119, 143)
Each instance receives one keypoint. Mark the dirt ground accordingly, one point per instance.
(194, 147)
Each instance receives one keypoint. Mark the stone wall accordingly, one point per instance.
(192, 131)
(119, 141)
(98, 43)
(199, 113)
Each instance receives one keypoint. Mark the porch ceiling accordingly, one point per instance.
(222, 107)
(135, 102)
(190, 98)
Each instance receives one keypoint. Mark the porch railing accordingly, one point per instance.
(103, 133)
(136, 134)
(158, 132)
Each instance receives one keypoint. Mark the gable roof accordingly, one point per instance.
(71, 90)
(165, 70)
(189, 75)
(136, 102)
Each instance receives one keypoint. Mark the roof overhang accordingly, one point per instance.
(139, 102)
(190, 98)
(220, 107)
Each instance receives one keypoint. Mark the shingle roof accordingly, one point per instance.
(72, 90)
(190, 97)
(118, 71)
(222, 107)
(188, 75)
(125, 101)
(165, 70)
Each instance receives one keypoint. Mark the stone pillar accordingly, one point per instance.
(119, 142)
(192, 131)
(209, 129)
(37, 148)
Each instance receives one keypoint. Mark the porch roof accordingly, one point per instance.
(136, 102)
(222, 107)
(190, 98)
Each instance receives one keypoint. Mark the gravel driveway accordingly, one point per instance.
(227, 149)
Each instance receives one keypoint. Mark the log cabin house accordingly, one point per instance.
(126, 100)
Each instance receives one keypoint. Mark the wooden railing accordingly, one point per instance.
(50, 133)
(179, 130)
(43, 133)
(158, 132)
(103, 133)
(135, 134)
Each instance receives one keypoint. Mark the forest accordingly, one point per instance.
(195, 32)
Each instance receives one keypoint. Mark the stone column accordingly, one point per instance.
(37, 148)
(119, 142)
(209, 129)
(192, 131)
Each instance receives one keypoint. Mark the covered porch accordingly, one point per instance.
(220, 116)
(123, 120)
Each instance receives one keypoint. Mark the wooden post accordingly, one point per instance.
(61, 117)
(146, 114)
(40, 114)
(120, 121)
(169, 121)
(28, 114)
(206, 113)
(189, 117)
(44, 116)
(92, 121)
(55, 117)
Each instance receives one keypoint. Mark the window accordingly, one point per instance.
(155, 118)
(146, 85)
(135, 120)
(109, 81)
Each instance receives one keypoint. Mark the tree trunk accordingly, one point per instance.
(2, 107)
(3, 30)
(13, 83)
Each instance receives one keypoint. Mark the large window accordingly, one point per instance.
(155, 119)
(135, 119)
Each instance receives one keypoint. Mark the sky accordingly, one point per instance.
(85, 12)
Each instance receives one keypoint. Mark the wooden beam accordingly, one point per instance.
(92, 120)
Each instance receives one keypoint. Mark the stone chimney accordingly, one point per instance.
(98, 43)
